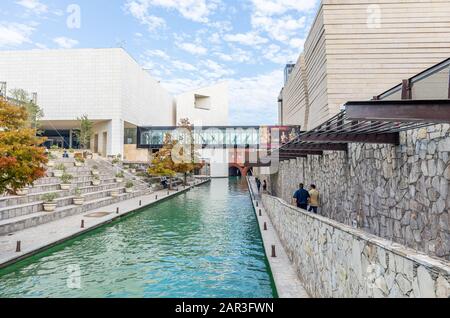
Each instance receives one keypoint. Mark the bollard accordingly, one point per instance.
(273, 251)
(140, 202)
(260, 213)
(117, 211)
(265, 226)
(156, 197)
(82, 224)
(18, 246)
(168, 192)
(256, 203)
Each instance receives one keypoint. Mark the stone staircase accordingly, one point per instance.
(21, 212)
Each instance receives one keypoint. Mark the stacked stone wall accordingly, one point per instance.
(395, 192)
(335, 260)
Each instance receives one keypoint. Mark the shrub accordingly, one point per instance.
(49, 197)
(129, 185)
(119, 175)
(60, 167)
(66, 178)
(54, 147)
(78, 192)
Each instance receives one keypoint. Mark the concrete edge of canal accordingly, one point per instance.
(287, 283)
(40, 238)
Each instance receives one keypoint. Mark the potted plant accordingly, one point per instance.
(79, 162)
(65, 181)
(119, 177)
(59, 170)
(96, 181)
(49, 202)
(22, 192)
(129, 187)
(133, 168)
(95, 171)
(114, 193)
(78, 199)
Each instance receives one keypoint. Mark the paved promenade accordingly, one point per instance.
(286, 280)
(36, 239)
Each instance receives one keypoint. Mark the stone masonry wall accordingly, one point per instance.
(335, 260)
(396, 192)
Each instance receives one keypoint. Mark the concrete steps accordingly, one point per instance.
(20, 212)
(21, 222)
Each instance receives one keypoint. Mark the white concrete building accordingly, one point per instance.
(207, 106)
(113, 90)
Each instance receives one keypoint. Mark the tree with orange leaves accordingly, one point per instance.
(22, 157)
(176, 157)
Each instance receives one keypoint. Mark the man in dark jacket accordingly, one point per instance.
(301, 197)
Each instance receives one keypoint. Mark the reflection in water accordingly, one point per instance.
(204, 243)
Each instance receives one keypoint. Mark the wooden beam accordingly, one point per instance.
(425, 111)
(406, 89)
(317, 146)
(390, 138)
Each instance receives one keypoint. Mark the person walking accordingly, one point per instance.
(314, 197)
(301, 197)
(265, 186)
(258, 184)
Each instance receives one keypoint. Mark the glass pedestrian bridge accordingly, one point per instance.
(219, 137)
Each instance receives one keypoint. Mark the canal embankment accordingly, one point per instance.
(334, 260)
(22, 244)
(283, 270)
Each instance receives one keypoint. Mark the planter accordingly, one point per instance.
(119, 180)
(78, 201)
(58, 173)
(22, 192)
(96, 182)
(49, 207)
(95, 172)
(65, 186)
(129, 190)
(114, 193)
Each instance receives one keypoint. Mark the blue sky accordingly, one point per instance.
(185, 44)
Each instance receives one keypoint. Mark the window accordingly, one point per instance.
(202, 102)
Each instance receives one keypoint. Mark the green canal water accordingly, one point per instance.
(203, 243)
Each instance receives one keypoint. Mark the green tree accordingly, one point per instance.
(35, 113)
(22, 157)
(85, 133)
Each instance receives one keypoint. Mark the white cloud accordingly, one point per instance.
(183, 66)
(215, 70)
(139, 9)
(253, 100)
(192, 48)
(158, 53)
(269, 16)
(249, 38)
(237, 55)
(14, 34)
(277, 7)
(33, 5)
(65, 43)
(297, 43)
(279, 28)
(194, 10)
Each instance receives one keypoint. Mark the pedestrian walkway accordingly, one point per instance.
(286, 280)
(35, 239)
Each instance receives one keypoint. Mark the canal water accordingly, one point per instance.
(204, 243)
